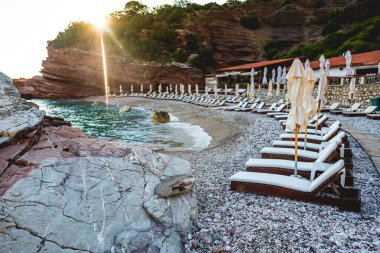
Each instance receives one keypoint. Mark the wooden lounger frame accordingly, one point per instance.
(346, 199)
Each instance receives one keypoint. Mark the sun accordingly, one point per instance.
(99, 21)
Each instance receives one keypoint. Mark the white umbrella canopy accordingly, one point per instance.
(252, 90)
(141, 88)
(196, 89)
(265, 80)
(352, 89)
(176, 90)
(307, 64)
(237, 94)
(131, 88)
(159, 88)
(225, 89)
(273, 75)
(283, 79)
(309, 100)
(322, 62)
(327, 66)
(348, 57)
(322, 89)
(248, 90)
(171, 88)
(279, 75)
(378, 68)
(189, 88)
(296, 90)
(150, 88)
(297, 120)
(167, 89)
(278, 90)
(270, 88)
(206, 90)
(121, 89)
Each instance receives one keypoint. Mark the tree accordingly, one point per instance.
(134, 8)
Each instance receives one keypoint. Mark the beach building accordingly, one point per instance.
(362, 64)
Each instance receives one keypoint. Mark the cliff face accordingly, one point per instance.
(71, 73)
(288, 22)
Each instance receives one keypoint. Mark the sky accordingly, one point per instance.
(26, 26)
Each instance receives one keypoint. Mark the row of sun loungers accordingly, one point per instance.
(324, 164)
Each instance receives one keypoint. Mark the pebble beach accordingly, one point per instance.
(239, 222)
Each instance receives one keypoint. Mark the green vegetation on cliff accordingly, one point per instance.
(181, 32)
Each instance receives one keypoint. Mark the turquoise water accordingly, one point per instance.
(133, 127)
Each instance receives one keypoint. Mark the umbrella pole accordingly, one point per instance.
(316, 122)
(351, 96)
(304, 146)
(296, 150)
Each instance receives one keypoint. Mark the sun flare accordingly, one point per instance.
(100, 22)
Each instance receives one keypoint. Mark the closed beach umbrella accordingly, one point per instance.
(167, 89)
(321, 100)
(225, 89)
(215, 89)
(270, 88)
(121, 90)
(322, 62)
(159, 88)
(309, 100)
(297, 119)
(196, 89)
(283, 79)
(131, 88)
(265, 80)
(150, 88)
(189, 88)
(278, 90)
(273, 75)
(237, 94)
(141, 88)
(248, 90)
(206, 90)
(307, 64)
(378, 68)
(351, 91)
(348, 57)
(176, 89)
(171, 89)
(252, 82)
(327, 66)
(279, 75)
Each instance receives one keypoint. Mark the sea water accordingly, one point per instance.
(134, 126)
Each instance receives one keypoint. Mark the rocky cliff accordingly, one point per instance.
(72, 73)
(62, 191)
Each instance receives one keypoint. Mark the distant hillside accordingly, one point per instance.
(211, 36)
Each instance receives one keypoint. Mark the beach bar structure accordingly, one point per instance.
(362, 64)
(242, 73)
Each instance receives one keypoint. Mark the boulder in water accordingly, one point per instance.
(125, 108)
(6, 86)
(161, 117)
(99, 103)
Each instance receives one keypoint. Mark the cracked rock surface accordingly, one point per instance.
(96, 204)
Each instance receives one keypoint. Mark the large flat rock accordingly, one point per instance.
(97, 204)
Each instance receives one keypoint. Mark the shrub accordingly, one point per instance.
(250, 22)
(271, 48)
(204, 60)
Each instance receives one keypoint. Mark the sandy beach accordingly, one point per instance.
(238, 222)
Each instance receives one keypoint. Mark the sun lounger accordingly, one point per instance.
(231, 108)
(269, 109)
(330, 152)
(353, 108)
(319, 190)
(331, 107)
(375, 116)
(357, 113)
(313, 137)
(321, 122)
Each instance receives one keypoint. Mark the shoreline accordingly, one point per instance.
(214, 124)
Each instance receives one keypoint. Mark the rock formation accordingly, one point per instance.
(62, 191)
(161, 117)
(75, 73)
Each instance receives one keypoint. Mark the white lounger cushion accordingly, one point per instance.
(285, 164)
(290, 151)
(325, 137)
(289, 182)
(319, 157)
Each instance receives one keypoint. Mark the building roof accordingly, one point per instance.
(257, 64)
(363, 59)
